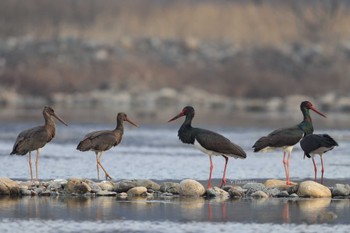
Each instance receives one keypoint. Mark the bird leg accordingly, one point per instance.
(288, 162)
(285, 166)
(99, 163)
(322, 171)
(223, 182)
(30, 166)
(36, 164)
(97, 166)
(315, 168)
(211, 169)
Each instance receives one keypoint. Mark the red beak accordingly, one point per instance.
(177, 116)
(316, 111)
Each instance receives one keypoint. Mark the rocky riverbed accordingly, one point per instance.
(190, 188)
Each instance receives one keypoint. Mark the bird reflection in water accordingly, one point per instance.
(219, 215)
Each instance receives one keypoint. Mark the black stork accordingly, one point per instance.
(36, 138)
(288, 137)
(314, 144)
(103, 140)
(208, 142)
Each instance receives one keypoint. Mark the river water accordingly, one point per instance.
(154, 152)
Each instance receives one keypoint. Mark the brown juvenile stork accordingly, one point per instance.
(104, 140)
(208, 142)
(36, 138)
(286, 138)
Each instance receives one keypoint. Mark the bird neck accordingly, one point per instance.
(185, 132)
(50, 125)
(49, 121)
(306, 124)
(120, 126)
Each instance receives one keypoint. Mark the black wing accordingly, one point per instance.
(280, 138)
(313, 142)
(218, 143)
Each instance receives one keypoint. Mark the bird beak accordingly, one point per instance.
(177, 116)
(318, 112)
(130, 121)
(60, 119)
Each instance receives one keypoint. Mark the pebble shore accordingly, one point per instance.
(190, 188)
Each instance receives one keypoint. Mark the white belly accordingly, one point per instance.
(285, 148)
(201, 148)
(321, 150)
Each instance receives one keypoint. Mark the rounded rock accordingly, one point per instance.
(217, 192)
(280, 184)
(149, 184)
(9, 187)
(107, 185)
(190, 187)
(259, 194)
(136, 191)
(170, 187)
(77, 186)
(313, 189)
(341, 190)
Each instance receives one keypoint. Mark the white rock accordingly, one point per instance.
(190, 187)
(136, 191)
(313, 189)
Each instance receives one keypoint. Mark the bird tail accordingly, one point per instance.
(261, 144)
(84, 145)
(241, 153)
(330, 140)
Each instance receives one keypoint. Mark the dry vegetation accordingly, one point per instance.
(268, 35)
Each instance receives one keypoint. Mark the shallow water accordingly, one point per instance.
(156, 153)
(109, 214)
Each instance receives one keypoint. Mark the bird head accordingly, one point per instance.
(48, 111)
(123, 117)
(186, 111)
(308, 105)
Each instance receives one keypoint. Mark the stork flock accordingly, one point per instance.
(209, 142)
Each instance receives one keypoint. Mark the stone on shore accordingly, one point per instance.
(77, 186)
(107, 185)
(9, 187)
(341, 190)
(137, 191)
(253, 187)
(237, 192)
(124, 185)
(313, 189)
(280, 184)
(190, 187)
(259, 194)
(217, 192)
(170, 187)
(148, 184)
(57, 184)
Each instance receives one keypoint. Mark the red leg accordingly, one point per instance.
(285, 165)
(223, 182)
(288, 179)
(315, 168)
(211, 169)
(322, 169)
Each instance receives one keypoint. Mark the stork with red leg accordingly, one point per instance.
(208, 142)
(314, 144)
(286, 138)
